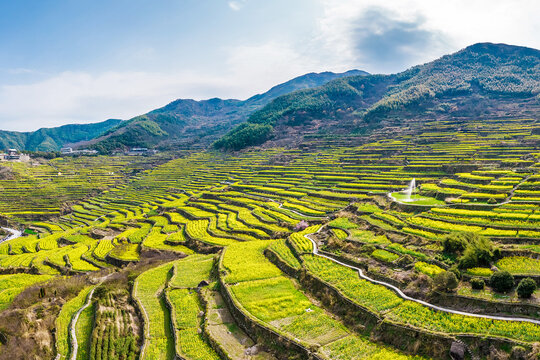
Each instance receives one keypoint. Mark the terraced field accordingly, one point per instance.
(260, 245)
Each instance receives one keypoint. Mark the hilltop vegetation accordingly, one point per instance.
(483, 80)
(183, 123)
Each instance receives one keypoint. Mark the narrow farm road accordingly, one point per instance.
(14, 234)
(73, 323)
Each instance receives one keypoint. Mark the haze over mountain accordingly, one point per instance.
(184, 122)
(481, 81)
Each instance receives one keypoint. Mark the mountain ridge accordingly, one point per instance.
(188, 123)
(149, 129)
(47, 139)
(481, 80)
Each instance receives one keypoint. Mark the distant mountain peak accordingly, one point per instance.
(305, 81)
(50, 139)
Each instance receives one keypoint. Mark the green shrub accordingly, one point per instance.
(456, 272)
(479, 252)
(478, 284)
(455, 243)
(446, 281)
(526, 288)
(502, 281)
(475, 250)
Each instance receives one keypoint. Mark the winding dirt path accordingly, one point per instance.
(73, 325)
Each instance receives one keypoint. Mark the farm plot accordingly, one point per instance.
(148, 290)
(276, 303)
(13, 285)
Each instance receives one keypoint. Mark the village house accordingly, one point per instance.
(14, 155)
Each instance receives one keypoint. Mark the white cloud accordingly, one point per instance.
(345, 37)
(236, 5)
(260, 67)
(82, 97)
(457, 23)
(362, 32)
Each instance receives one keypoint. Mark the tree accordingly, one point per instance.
(455, 243)
(477, 284)
(446, 281)
(502, 281)
(475, 250)
(526, 288)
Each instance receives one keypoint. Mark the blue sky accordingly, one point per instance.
(78, 61)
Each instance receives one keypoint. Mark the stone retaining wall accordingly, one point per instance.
(475, 305)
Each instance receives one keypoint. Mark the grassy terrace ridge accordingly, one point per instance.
(273, 300)
(12, 285)
(380, 299)
(40, 188)
(148, 291)
(186, 306)
(164, 224)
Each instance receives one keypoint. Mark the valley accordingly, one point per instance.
(313, 251)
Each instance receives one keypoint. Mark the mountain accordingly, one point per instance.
(51, 139)
(191, 123)
(481, 81)
(306, 81)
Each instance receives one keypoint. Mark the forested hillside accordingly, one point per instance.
(51, 139)
(483, 80)
(187, 123)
